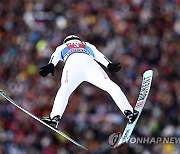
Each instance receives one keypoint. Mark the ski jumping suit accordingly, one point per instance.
(80, 65)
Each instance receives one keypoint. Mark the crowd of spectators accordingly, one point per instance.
(139, 34)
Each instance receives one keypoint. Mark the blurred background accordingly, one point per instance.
(139, 34)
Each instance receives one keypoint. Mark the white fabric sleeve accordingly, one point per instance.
(56, 56)
(98, 56)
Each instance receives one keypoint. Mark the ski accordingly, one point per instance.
(36, 118)
(145, 88)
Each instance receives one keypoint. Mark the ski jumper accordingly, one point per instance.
(80, 65)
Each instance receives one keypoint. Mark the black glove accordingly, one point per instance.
(45, 70)
(114, 67)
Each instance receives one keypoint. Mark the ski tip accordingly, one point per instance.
(148, 73)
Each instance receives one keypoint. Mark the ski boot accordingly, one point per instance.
(53, 122)
(131, 117)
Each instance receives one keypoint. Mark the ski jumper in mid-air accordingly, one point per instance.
(80, 60)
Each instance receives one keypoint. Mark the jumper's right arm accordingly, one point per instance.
(98, 56)
(112, 67)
